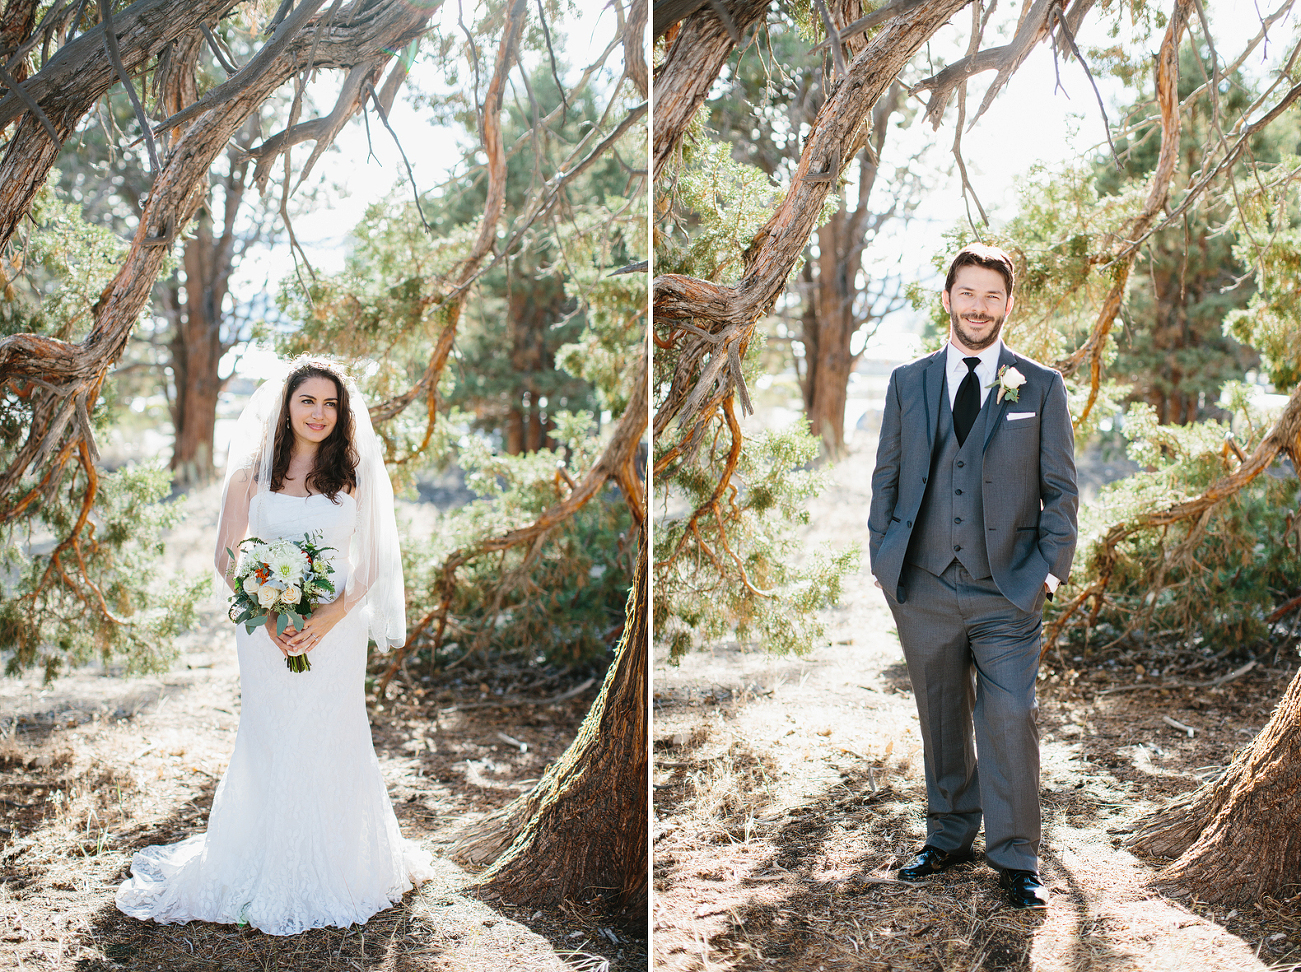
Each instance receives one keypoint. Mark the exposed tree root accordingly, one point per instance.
(580, 834)
(1235, 840)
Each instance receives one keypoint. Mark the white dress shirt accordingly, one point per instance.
(986, 372)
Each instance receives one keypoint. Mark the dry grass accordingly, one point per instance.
(77, 802)
(776, 847)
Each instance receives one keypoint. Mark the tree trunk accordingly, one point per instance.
(581, 834)
(535, 306)
(692, 63)
(197, 349)
(830, 322)
(515, 431)
(76, 77)
(194, 362)
(829, 359)
(17, 23)
(1236, 840)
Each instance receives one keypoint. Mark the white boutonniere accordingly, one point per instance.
(1009, 382)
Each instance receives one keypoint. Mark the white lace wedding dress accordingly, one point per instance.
(302, 833)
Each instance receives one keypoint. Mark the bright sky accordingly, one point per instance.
(1031, 123)
(351, 178)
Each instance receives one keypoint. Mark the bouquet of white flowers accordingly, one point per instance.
(283, 577)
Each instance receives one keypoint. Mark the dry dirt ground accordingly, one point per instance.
(98, 765)
(787, 790)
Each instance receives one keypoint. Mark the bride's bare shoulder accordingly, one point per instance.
(242, 480)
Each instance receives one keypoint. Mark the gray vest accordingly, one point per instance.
(951, 521)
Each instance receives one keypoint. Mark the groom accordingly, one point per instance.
(972, 525)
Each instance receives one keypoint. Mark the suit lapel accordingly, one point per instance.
(932, 385)
(995, 417)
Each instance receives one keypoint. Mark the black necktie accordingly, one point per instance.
(966, 406)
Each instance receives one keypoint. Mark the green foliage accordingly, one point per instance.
(606, 350)
(551, 300)
(557, 601)
(1204, 585)
(729, 202)
(53, 278)
(1271, 320)
(101, 595)
(1176, 353)
(730, 563)
(52, 614)
(737, 570)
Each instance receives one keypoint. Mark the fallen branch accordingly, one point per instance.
(1176, 724)
(1283, 610)
(1214, 683)
(510, 703)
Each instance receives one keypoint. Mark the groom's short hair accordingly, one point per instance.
(982, 255)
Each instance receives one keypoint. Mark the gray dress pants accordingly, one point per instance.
(973, 657)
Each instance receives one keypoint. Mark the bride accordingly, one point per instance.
(302, 833)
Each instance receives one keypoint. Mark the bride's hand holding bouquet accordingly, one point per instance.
(296, 643)
(285, 581)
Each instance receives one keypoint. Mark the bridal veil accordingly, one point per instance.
(376, 579)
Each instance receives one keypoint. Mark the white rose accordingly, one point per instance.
(266, 595)
(291, 595)
(251, 584)
(1013, 378)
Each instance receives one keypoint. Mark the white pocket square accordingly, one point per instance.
(1017, 416)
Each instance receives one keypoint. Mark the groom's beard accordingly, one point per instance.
(970, 340)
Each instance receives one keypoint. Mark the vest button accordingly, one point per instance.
(957, 547)
(957, 519)
(961, 463)
(923, 480)
(957, 492)
(910, 523)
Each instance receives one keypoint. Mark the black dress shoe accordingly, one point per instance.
(1024, 889)
(932, 860)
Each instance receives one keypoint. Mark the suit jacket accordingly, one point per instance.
(1028, 470)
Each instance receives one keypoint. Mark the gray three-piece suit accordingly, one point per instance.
(962, 540)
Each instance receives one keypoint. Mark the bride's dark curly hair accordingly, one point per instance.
(335, 467)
